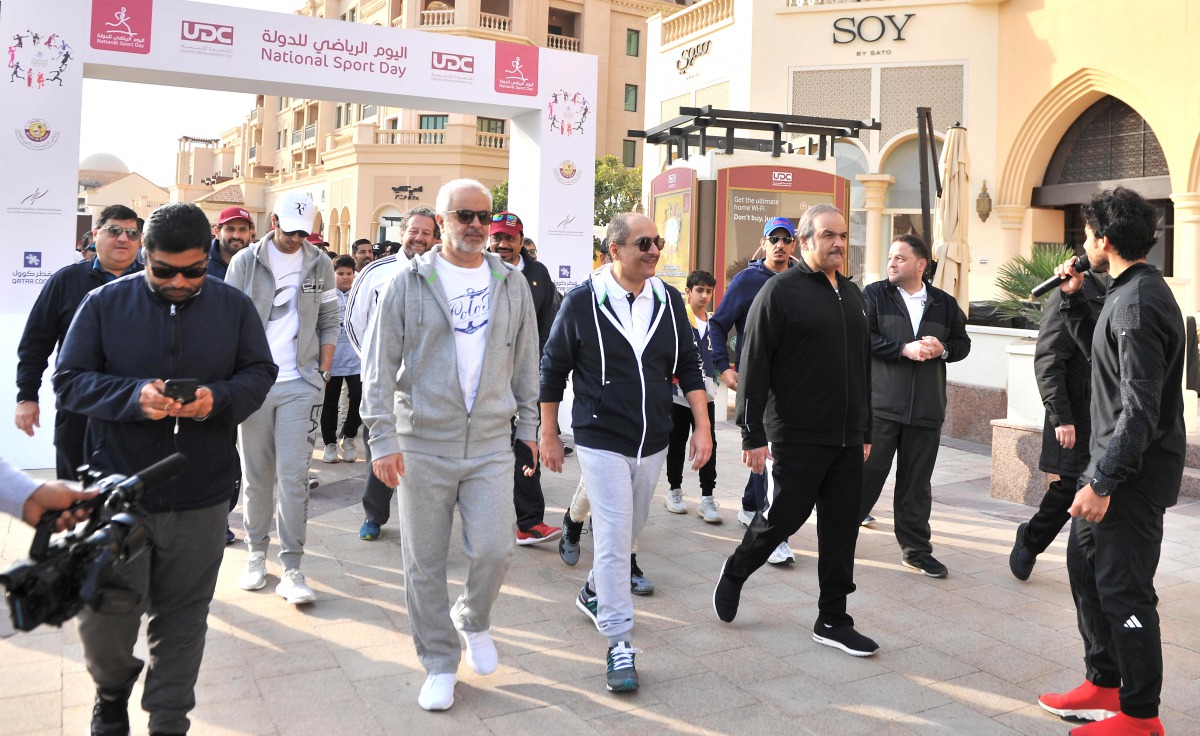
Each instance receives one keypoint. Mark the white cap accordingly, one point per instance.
(295, 211)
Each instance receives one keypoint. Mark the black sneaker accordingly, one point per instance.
(586, 602)
(638, 584)
(229, 537)
(568, 543)
(844, 638)
(622, 676)
(1021, 560)
(110, 714)
(927, 565)
(726, 596)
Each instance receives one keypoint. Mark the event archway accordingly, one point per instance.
(190, 44)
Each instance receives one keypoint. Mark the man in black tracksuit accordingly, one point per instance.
(1064, 377)
(806, 388)
(915, 330)
(116, 255)
(1137, 348)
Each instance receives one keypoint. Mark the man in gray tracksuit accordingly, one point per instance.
(291, 283)
(460, 323)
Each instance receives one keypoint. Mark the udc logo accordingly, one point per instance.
(781, 177)
(200, 32)
(447, 62)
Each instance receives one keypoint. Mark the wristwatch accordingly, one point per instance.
(1102, 488)
(324, 376)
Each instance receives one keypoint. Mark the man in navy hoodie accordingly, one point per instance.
(114, 376)
(778, 244)
(623, 335)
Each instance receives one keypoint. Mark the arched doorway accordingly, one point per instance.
(1109, 145)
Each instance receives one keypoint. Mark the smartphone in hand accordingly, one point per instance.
(183, 389)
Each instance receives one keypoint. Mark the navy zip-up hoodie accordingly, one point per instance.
(124, 336)
(622, 401)
(734, 308)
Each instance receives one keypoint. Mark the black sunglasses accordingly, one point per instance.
(115, 231)
(787, 239)
(465, 216)
(644, 243)
(170, 272)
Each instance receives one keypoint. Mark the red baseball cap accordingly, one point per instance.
(507, 223)
(316, 239)
(234, 213)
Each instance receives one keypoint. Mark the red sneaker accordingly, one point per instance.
(1121, 725)
(538, 533)
(1086, 702)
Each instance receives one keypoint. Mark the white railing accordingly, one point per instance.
(491, 140)
(411, 137)
(437, 17)
(806, 3)
(310, 132)
(696, 19)
(342, 140)
(493, 22)
(562, 43)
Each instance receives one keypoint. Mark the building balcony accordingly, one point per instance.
(310, 133)
(493, 22)
(566, 43)
(253, 153)
(699, 18)
(437, 18)
(491, 140)
(297, 135)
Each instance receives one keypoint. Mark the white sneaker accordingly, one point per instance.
(708, 510)
(745, 517)
(294, 588)
(438, 692)
(349, 450)
(479, 650)
(782, 555)
(330, 455)
(255, 576)
(675, 502)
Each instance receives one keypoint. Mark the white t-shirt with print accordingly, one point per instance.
(283, 325)
(468, 290)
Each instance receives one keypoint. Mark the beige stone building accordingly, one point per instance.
(365, 165)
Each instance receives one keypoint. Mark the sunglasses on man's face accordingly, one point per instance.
(466, 216)
(787, 239)
(169, 272)
(115, 231)
(644, 243)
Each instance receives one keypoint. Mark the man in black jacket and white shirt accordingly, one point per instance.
(1137, 454)
(622, 335)
(805, 387)
(916, 329)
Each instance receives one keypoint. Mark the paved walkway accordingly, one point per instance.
(965, 655)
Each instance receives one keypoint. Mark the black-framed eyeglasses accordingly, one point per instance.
(294, 233)
(507, 218)
(170, 272)
(115, 231)
(644, 243)
(787, 239)
(466, 216)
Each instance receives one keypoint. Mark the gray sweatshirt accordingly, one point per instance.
(411, 395)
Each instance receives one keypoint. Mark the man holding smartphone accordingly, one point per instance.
(291, 283)
(114, 376)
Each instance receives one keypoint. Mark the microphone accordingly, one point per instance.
(1081, 265)
(159, 472)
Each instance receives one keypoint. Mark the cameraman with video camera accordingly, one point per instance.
(169, 322)
(27, 498)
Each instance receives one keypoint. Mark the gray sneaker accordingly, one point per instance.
(622, 676)
(568, 543)
(637, 581)
(255, 576)
(708, 510)
(349, 450)
(675, 502)
(782, 555)
(330, 455)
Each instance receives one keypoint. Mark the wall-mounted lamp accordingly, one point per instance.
(983, 204)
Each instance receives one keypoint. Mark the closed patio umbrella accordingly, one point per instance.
(951, 216)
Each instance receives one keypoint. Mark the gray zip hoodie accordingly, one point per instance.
(250, 272)
(411, 396)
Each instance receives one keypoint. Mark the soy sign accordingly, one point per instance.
(870, 28)
(688, 56)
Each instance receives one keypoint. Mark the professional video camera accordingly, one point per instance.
(60, 578)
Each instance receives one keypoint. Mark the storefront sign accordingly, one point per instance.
(870, 28)
(688, 56)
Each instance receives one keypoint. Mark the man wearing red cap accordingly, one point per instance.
(233, 233)
(506, 233)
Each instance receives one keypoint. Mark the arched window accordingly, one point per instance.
(1108, 142)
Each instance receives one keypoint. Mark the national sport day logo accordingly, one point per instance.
(122, 25)
(516, 69)
(37, 135)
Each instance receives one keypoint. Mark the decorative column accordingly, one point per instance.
(875, 191)
(1012, 218)
(1187, 248)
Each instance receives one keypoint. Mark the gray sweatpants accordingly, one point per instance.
(427, 494)
(175, 578)
(619, 490)
(276, 445)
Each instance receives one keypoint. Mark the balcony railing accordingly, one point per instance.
(695, 19)
(565, 43)
(310, 132)
(296, 135)
(254, 115)
(437, 17)
(493, 22)
(411, 137)
(491, 140)
(253, 152)
(806, 3)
